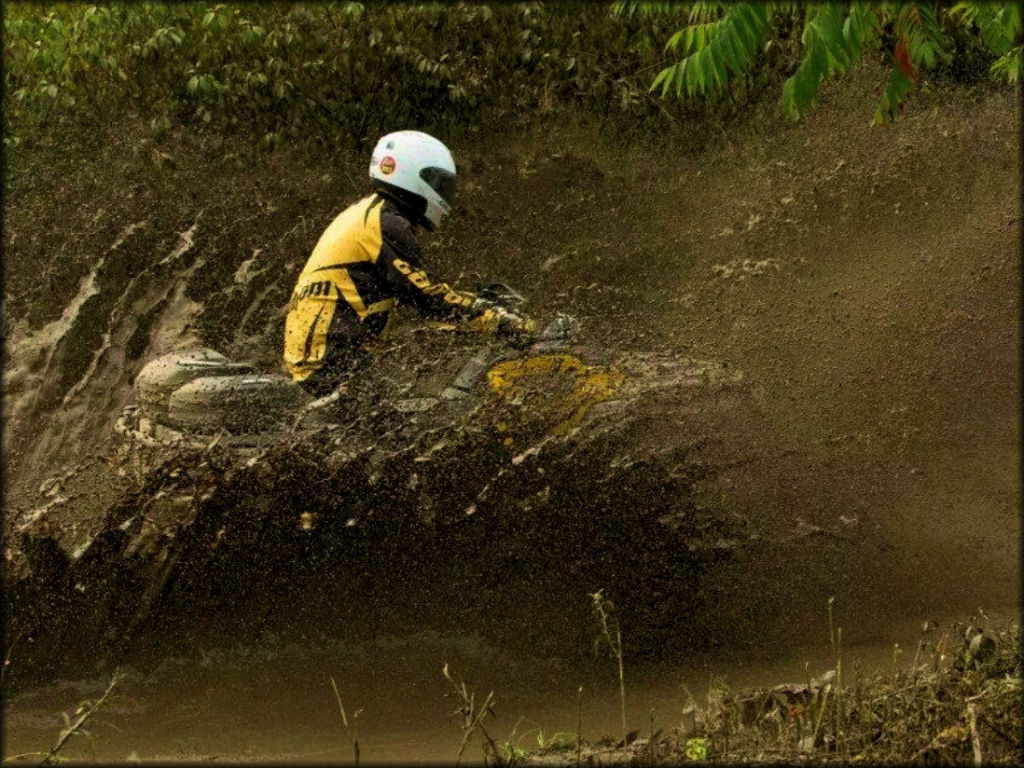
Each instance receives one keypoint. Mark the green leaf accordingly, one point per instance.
(733, 53)
(1008, 66)
(627, 8)
(697, 749)
(832, 44)
(663, 77)
(673, 42)
(967, 11)
(999, 25)
(696, 37)
(705, 12)
(747, 26)
(919, 30)
(715, 48)
(893, 96)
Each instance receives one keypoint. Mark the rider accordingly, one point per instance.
(368, 260)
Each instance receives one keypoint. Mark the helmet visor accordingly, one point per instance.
(441, 181)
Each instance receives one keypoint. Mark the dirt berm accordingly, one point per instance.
(854, 290)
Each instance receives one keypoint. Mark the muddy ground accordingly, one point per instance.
(866, 282)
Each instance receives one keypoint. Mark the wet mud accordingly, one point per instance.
(860, 286)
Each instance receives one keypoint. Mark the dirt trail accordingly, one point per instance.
(887, 344)
(865, 282)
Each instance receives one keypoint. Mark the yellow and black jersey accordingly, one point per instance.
(366, 261)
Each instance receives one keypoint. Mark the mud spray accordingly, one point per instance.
(853, 291)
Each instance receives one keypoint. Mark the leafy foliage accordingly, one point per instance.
(713, 48)
(999, 26)
(919, 45)
(340, 72)
(831, 45)
(716, 47)
(957, 701)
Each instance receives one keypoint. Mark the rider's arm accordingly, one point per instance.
(400, 258)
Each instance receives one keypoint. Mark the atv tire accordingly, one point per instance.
(160, 377)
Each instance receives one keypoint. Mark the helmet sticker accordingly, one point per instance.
(387, 165)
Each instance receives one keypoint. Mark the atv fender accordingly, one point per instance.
(241, 403)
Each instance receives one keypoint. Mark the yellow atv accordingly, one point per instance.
(195, 398)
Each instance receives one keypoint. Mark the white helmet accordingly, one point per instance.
(418, 171)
